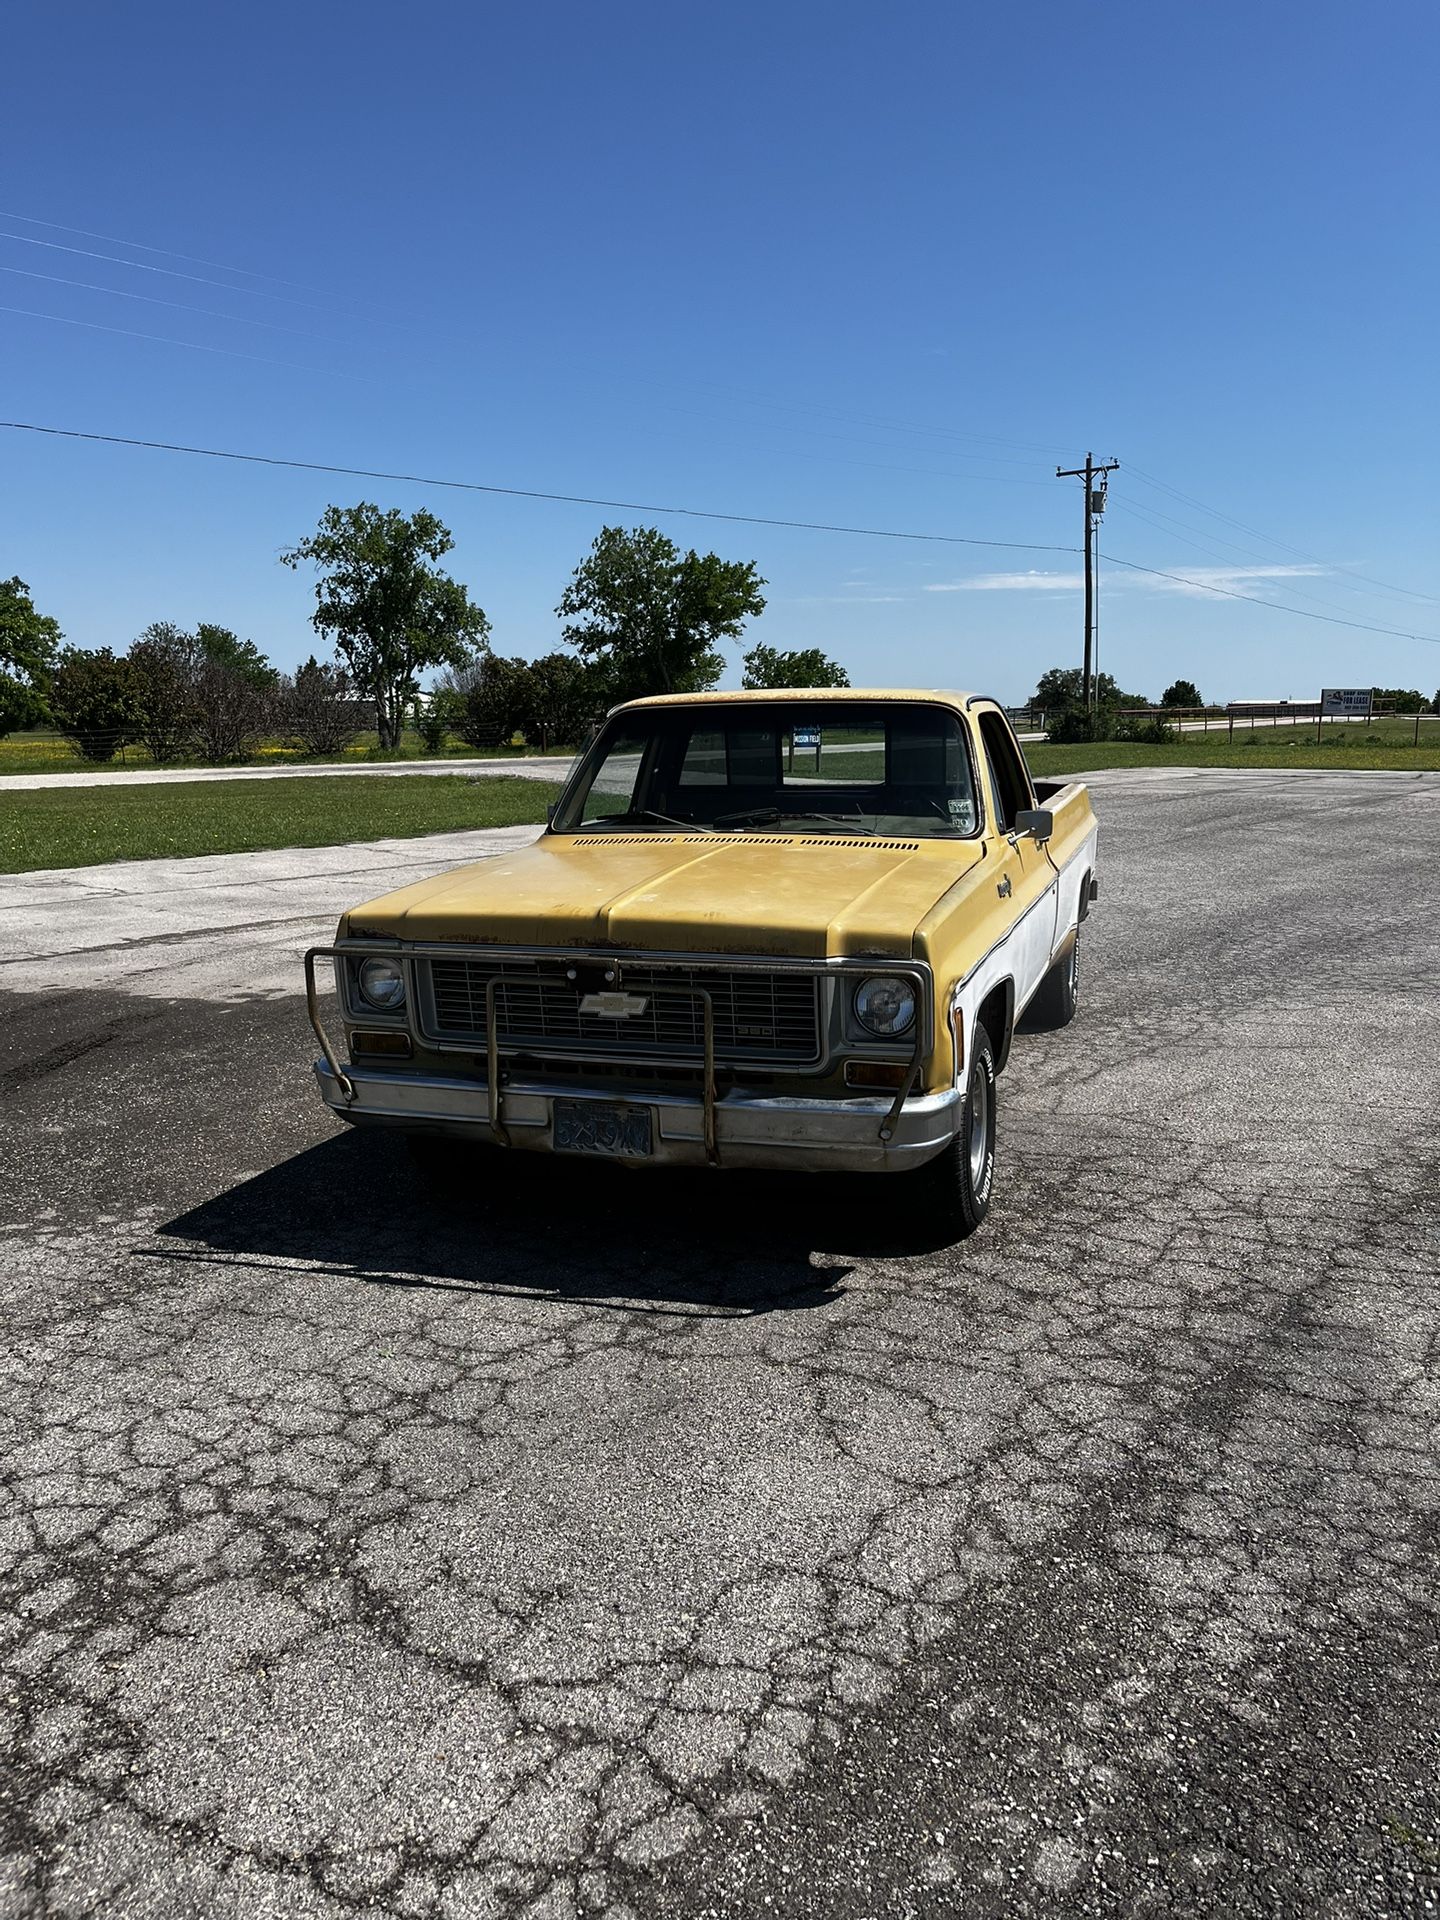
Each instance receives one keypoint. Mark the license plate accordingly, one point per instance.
(595, 1126)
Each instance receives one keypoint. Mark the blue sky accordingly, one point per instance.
(881, 266)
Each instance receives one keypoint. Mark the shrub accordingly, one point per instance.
(163, 664)
(1148, 732)
(318, 706)
(92, 699)
(232, 710)
(489, 698)
(432, 724)
(1073, 726)
(566, 699)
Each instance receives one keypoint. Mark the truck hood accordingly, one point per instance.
(812, 897)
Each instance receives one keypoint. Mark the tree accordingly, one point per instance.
(565, 699)
(233, 712)
(808, 667)
(232, 690)
(489, 698)
(29, 642)
(92, 698)
(435, 716)
(222, 648)
(1400, 699)
(1064, 687)
(651, 618)
(1181, 693)
(318, 707)
(391, 611)
(553, 699)
(162, 667)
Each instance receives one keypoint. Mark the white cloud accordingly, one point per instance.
(1197, 580)
(1031, 581)
(1233, 579)
(848, 599)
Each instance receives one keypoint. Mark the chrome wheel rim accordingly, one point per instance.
(979, 1126)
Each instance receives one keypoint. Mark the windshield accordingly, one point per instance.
(796, 765)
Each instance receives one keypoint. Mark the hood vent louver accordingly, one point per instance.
(599, 840)
(851, 843)
(858, 845)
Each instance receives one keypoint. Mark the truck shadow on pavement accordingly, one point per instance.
(356, 1204)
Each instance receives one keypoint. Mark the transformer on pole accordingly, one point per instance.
(1094, 507)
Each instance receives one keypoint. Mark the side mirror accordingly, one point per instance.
(1038, 821)
(550, 813)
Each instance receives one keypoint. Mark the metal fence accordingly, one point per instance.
(1246, 714)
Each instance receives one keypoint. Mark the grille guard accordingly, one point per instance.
(338, 955)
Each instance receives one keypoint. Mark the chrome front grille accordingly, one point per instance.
(759, 1015)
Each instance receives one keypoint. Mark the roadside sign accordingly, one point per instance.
(1351, 703)
(807, 737)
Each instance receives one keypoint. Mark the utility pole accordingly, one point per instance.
(1094, 507)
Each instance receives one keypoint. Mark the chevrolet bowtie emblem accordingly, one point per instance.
(614, 1006)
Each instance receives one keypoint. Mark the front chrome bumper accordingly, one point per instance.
(751, 1130)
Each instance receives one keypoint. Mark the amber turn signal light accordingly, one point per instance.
(373, 1043)
(874, 1073)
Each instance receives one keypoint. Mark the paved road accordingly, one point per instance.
(551, 767)
(548, 767)
(705, 1545)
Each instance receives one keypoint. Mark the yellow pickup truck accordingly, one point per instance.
(780, 929)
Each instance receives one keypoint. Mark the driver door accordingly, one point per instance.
(1032, 895)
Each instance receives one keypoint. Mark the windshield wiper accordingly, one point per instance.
(772, 817)
(640, 816)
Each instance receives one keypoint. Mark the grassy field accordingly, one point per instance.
(1384, 744)
(52, 753)
(79, 826)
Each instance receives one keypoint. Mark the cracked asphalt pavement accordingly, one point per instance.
(603, 1543)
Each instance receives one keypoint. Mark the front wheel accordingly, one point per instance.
(956, 1184)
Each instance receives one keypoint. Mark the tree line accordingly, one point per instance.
(639, 616)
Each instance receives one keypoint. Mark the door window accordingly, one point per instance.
(1009, 781)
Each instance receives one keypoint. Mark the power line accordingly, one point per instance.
(1389, 586)
(1275, 606)
(180, 306)
(1164, 523)
(523, 493)
(690, 513)
(174, 273)
(169, 253)
(931, 432)
(164, 340)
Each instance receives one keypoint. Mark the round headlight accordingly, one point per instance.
(382, 984)
(885, 1005)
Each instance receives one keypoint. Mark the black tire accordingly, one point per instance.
(1059, 992)
(956, 1185)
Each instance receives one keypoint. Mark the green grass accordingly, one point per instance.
(1384, 744)
(53, 753)
(80, 826)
